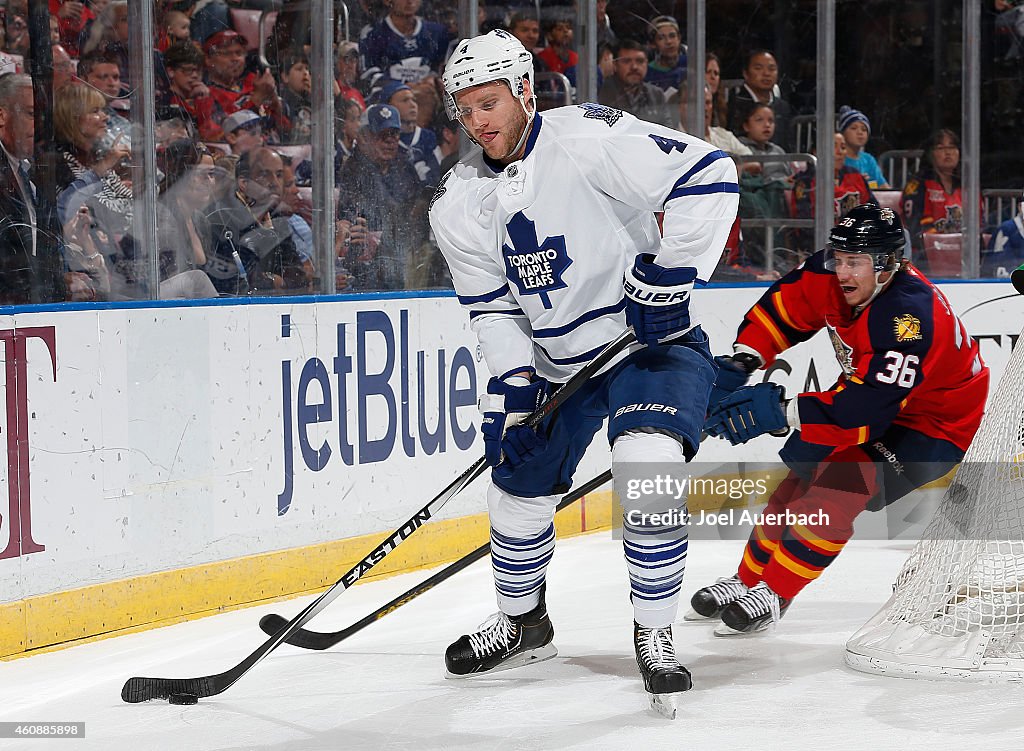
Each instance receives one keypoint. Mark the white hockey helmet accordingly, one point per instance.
(494, 56)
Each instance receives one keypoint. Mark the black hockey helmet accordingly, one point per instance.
(871, 230)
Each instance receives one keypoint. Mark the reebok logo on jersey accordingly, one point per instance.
(889, 456)
(651, 407)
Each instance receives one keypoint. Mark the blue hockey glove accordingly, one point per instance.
(508, 443)
(749, 412)
(733, 372)
(657, 299)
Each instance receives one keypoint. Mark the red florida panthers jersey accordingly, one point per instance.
(906, 359)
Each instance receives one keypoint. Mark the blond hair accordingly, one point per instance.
(71, 102)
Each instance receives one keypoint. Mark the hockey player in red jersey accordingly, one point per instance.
(902, 413)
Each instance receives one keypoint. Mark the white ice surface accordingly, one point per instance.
(384, 688)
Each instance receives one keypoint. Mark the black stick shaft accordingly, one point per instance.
(140, 689)
(307, 639)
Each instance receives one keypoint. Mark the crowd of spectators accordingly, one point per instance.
(234, 121)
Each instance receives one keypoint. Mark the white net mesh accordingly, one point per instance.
(957, 609)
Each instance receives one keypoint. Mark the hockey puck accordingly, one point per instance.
(182, 699)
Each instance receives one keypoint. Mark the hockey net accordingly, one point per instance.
(957, 608)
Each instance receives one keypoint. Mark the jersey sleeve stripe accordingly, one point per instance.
(769, 325)
(703, 162)
(486, 297)
(780, 306)
(703, 190)
(514, 312)
(586, 317)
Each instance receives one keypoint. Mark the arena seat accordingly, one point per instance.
(943, 254)
(247, 23)
(890, 199)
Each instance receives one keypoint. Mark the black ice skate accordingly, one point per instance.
(503, 642)
(709, 602)
(755, 611)
(664, 678)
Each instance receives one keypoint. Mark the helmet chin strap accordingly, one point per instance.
(879, 287)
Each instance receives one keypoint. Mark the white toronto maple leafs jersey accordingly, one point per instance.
(537, 249)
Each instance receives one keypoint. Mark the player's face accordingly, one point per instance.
(855, 273)
(856, 135)
(762, 74)
(494, 118)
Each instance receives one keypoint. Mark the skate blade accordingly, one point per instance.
(666, 704)
(728, 631)
(694, 616)
(523, 658)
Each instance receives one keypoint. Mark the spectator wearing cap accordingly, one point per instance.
(295, 99)
(760, 84)
(381, 192)
(856, 130)
(249, 223)
(243, 132)
(418, 143)
(558, 56)
(405, 46)
(667, 70)
(347, 69)
(233, 89)
(184, 63)
(627, 90)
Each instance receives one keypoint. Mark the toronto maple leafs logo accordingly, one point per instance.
(535, 267)
(440, 189)
(600, 112)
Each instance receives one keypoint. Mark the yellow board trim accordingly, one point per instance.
(60, 619)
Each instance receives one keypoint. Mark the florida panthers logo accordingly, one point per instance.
(844, 352)
(535, 267)
(846, 203)
(952, 223)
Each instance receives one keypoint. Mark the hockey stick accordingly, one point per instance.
(140, 689)
(272, 623)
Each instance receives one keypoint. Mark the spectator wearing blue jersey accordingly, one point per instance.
(405, 46)
(667, 70)
(856, 130)
(1005, 250)
(417, 143)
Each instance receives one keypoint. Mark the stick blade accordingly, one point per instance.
(137, 689)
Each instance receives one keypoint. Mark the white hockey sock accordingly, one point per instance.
(522, 542)
(655, 553)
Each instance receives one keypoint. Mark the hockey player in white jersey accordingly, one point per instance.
(554, 247)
